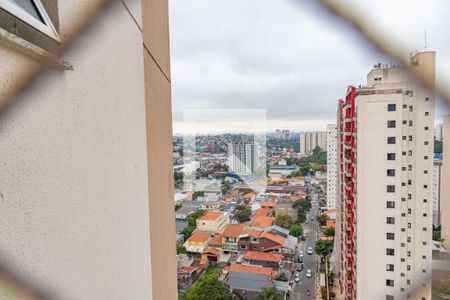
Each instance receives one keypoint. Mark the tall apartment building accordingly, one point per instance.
(436, 187)
(86, 171)
(331, 165)
(445, 196)
(242, 157)
(438, 132)
(384, 203)
(309, 140)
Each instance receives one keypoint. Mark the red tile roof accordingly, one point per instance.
(331, 223)
(263, 256)
(211, 216)
(262, 212)
(249, 195)
(211, 251)
(233, 230)
(273, 237)
(269, 203)
(262, 222)
(254, 233)
(252, 269)
(199, 237)
(216, 241)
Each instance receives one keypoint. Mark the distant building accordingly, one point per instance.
(249, 278)
(309, 140)
(436, 192)
(331, 165)
(197, 242)
(242, 158)
(438, 132)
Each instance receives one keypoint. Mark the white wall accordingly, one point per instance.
(73, 175)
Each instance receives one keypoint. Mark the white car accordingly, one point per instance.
(309, 251)
(297, 278)
(308, 273)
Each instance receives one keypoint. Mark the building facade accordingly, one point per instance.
(436, 187)
(445, 196)
(242, 157)
(331, 165)
(86, 149)
(213, 221)
(385, 176)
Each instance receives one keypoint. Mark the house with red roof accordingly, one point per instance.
(213, 221)
(270, 204)
(265, 259)
(197, 242)
(230, 237)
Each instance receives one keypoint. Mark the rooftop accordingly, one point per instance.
(211, 216)
(273, 237)
(216, 241)
(263, 222)
(269, 203)
(263, 256)
(233, 230)
(252, 269)
(199, 237)
(262, 212)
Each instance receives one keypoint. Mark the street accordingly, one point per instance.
(310, 261)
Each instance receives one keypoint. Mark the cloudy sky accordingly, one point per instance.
(286, 56)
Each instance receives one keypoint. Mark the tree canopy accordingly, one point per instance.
(268, 293)
(329, 231)
(243, 213)
(322, 218)
(209, 288)
(296, 230)
(324, 247)
(284, 220)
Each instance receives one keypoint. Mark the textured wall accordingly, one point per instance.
(73, 165)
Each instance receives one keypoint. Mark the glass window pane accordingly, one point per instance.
(29, 7)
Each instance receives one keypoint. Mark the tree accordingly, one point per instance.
(198, 194)
(181, 249)
(322, 218)
(329, 231)
(226, 187)
(324, 247)
(296, 230)
(268, 293)
(207, 287)
(192, 223)
(243, 213)
(284, 220)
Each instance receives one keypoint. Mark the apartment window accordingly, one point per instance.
(32, 13)
(390, 172)
(405, 106)
(426, 127)
(424, 243)
(390, 236)
(390, 251)
(390, 204)
(404, 138)
(409, 211)
(390, 188)
(409, 181)
(410, 123)
(391, 140)
(389, 282)
(424, 229)
(409, 167)
(403, 183)
(403, 153)
(390, 220)
(425, 157)
(425, 143)
(391, 124)
(425, 171)
(408, 253)
(425, 186)
(391, 107)
(424, 257)
(427, 113)
(425, 201)
(403, 229)
(403, 168)
(410, 108)
(408, 267)
(424, 271)
(389, 297)
(402, 245)
(410, 138)
(402, 274)
(390, 267)
(409, 197)
(391, 156)
(425, 214)
(402, 259)
(403, 215)
(427, 99)
(410, 152)
(409, 239)
(403, 199)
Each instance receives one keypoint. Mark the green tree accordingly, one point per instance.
(181, 249)
(296, 230)
(322, 218)
(284, 220)
(192, 223)
(207, 287)
(268, 293)
(324, 247)
(243, 213)
(329, 231)
(226, 187)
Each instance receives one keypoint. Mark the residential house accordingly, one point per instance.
(270, 204)
(249, 197)
(248, 280)
(213, 221)
(262, 222)
(230, 237)
(197, 242)
(265, 259)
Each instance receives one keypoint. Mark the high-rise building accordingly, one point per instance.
(309, 140)
(331, 165)
(385, 145)
(436, 192)
(445, 195)
(242, 157)
(438, 132)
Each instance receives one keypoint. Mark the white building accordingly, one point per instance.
(213, 221)
(445, 196)
(331, 165)
(386, 134)
(242, 158)
(436, 192)
(309, 140)
(438, 132)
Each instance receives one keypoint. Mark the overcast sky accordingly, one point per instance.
(286, 56)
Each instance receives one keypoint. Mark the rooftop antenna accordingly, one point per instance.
(425, 39)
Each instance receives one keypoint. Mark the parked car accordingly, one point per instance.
(309, 251)
(308, 273)
(300, 259)
(297, 278)
(299, 267)
(303, 238)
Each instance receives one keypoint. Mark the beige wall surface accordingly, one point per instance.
(445, 196)
(74, 179)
